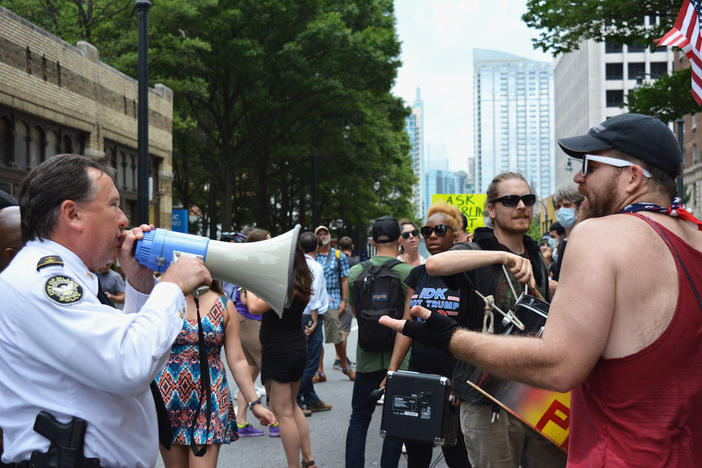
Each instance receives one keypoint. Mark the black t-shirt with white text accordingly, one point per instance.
(432, 293)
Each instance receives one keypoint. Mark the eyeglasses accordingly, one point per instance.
(513, 200)
(609, 161)
(414, 232)
(439, 229)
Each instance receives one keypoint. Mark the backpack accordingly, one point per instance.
(377, 291)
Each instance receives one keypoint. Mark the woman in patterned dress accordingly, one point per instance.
(179, 383)
(284, 355)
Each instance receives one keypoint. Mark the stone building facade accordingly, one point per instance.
(58, 98)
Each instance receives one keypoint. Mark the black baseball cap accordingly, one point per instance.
(386, 229)
(641, 136)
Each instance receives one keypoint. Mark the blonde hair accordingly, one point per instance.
(450, 212)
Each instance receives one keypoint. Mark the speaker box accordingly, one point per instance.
(417, 408)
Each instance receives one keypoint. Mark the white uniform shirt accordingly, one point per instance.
(319, 300)
(81, 358)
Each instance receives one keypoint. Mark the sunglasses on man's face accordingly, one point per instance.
(440, 230)
(609, 161)
(406, 234)
(513, 200)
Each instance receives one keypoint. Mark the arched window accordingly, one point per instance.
(122, 169)
(52, 144)
(5, 141)
(131, 171)
(21, 140)
(36, 147)
(67, 144)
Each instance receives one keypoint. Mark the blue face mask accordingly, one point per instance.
(566, 216)
(552, 242)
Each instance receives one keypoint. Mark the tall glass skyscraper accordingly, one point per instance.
(513, 119)
(414, 124)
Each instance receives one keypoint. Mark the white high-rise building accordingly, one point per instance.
(591, 85)
(414, 124)
(513, 119)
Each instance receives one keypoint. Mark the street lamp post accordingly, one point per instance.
(142, 7)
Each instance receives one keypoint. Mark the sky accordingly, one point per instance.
(438, 38)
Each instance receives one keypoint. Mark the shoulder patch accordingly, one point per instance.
(63, 290)
(49, 260)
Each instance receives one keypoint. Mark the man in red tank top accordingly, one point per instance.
(624, 330)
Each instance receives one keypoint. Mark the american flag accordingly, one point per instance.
(687, 36)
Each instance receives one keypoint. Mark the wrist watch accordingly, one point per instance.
(254, 403)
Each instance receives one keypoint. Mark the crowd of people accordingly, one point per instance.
(133, 365)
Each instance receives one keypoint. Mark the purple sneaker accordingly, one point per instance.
(248, 430)
(274, 430)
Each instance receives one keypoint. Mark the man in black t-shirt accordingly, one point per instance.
(493, 437)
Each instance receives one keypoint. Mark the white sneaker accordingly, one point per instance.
(381, 400)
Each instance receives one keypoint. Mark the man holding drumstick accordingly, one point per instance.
(625, 327)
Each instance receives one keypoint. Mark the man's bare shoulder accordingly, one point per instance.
(613, 232)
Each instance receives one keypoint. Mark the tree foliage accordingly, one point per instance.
(563, 23)
(261, 87)
(667, 98)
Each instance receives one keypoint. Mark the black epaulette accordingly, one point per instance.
(49, 260)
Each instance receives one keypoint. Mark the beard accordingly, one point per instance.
(326, 241)
(602, 205)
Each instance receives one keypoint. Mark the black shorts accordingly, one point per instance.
(283, 368)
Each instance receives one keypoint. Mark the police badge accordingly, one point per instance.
(63, 290)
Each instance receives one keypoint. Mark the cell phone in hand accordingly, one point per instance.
(309, 322)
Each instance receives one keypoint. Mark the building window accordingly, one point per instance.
(67, 144)
(36, 147)
(614, 71)
(694, 153)
(21, 139)
(635, 48)
(612, 48)
(636, 70)
(52, 146)
(659, 69)
(615, 97)
(5, 141)
(693, 122)
(29, 61)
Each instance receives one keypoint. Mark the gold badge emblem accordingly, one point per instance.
(63, 290)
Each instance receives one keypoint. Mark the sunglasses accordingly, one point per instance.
(609, 161)
(439, 229)
(513, 200)
(414, 232)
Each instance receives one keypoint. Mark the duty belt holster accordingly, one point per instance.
(66, 449)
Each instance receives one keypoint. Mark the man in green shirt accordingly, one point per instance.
(372, 366)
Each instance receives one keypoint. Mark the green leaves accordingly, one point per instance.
(563, 23)
(667, 98)
(259, 87)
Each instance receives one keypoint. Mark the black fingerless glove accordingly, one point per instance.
(436, 331)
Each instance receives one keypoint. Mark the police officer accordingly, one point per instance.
(63, 351)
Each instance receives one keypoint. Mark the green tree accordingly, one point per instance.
(259, 87)
(563, 23)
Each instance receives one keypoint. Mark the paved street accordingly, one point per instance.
(328, 429)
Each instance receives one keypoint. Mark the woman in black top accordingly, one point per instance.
(439, 232)
(284, 355)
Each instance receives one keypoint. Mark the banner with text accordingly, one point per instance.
(470, 204)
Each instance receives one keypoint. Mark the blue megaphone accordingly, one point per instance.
(265, 267)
